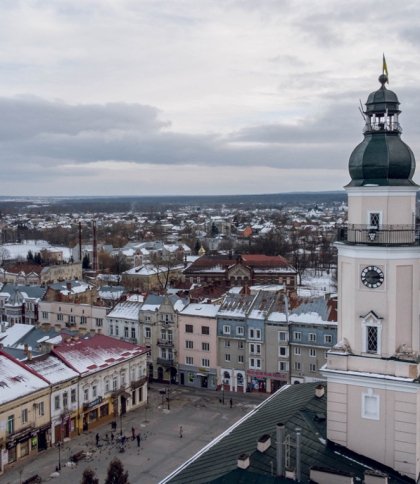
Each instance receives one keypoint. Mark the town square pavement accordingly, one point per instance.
(201, 414)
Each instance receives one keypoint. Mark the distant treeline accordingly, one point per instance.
(160, 203)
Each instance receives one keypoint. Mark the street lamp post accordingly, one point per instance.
(59, 456)
(167, 398)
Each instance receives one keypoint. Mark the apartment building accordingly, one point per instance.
(197, 345)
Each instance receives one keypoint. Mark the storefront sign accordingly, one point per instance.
(93, 403)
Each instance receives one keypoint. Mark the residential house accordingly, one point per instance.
(113, 378)
(24, 411)
(123, 322)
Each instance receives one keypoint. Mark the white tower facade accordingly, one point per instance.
(373, 372)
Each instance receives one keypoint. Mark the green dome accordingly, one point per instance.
(382, 158)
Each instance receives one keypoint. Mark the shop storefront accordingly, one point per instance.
(94, 413)
(198, 377)
(24, 442)
(259, 381)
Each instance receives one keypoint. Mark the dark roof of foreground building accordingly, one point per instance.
(295, 406)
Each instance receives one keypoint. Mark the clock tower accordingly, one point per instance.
(373, 372)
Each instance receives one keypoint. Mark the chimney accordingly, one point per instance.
(80, 241)
(26, 349)
(375, 477)
(57, 328)
(280, 430)
(319, 391)
(29, 355)
(298, 453)
(243, 461)
(264, 442)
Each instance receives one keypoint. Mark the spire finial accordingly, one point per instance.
(384, 77)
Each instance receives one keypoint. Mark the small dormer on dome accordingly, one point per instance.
(382, 158)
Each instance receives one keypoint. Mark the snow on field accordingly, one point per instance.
(316, 285)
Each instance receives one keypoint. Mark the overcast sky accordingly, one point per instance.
(137, 97)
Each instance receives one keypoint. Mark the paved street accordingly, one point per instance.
(199, 412)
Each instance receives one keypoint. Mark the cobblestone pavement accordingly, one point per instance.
(201, 414)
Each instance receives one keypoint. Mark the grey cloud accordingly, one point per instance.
(25, 117)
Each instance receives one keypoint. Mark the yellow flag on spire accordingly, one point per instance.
(385, 68)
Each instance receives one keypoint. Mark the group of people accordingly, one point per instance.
(122, 439)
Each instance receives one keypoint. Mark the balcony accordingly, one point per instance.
(138, 383)
(165, 361)
(166, 343)
(387, 235)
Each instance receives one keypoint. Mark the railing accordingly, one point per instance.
(165, 361)
(379, 235)
(381, 126)
(165, 342)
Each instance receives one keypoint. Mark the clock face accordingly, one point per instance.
(372, 277)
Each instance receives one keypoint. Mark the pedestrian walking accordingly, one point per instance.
(138, 439)
(112, 437)
(123, 440)
(231, 403)
(106, 438)
(180, 431)
(133, 433)
(97, 440)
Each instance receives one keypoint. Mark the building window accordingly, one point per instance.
(86, 394)
(205, 330)
(241, 345)
(205, 362)
(370, 405)
(283, 366)
(189, 344)
(133, 333)
(255, 363)
(72, 319)
(205, 346)
(240, 358)
(65, 400)
(312, 367)
(125, 332)
(297, 365)
(99, 321)
(374, 219)
(83, 320)
(111, 329)
(255, 349)
(283, 336)
(24, 416)
(41, 409)
(312, 337)
(147, 332)
(117, 330)
(240, 330)
(44, 315)
(312, 352)
(283, 351)
(297, 335)
(189, 328)
(254, 333)
(227, 343)
(189, 360)
(57, 402)
(94, 391)
(297, 350)
(371, 330)
(114, 383)
(227, 357)
(10, 424)
(60, 317)
(328, 338)
(73, 395)
(226, 329)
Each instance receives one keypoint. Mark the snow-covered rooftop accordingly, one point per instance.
(14, 333)
(52, 369)
(126, 310)
(201, 310)
(16, 381)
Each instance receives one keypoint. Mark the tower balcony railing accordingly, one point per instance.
(376, 126)
(387, 235)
